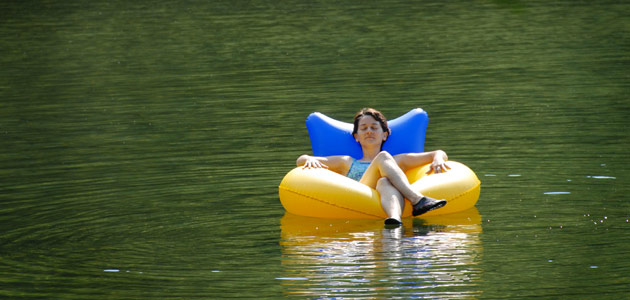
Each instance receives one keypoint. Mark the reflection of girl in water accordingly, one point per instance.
(380, 170)
(436, 257)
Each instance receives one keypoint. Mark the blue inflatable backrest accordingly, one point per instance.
(332, 137)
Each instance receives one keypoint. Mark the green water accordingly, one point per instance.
(142, 143)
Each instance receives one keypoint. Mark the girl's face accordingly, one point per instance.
(370, 131)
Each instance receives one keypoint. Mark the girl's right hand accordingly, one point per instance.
(314, 163)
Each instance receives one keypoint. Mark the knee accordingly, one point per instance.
(384, 156)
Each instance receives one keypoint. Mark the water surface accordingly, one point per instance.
(143, 143)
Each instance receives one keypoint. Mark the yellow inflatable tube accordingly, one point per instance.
(325, 194)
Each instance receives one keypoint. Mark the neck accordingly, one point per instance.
(369, 153)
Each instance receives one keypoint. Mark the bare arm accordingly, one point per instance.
(436, 158)
(339, 164)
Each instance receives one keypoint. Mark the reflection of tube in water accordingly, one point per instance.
(435, 256)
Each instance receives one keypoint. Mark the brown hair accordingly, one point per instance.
(377, 115)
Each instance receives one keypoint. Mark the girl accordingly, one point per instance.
(380, 170)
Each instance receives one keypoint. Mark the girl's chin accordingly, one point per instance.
(371, 141)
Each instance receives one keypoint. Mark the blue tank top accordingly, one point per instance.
(357, 169)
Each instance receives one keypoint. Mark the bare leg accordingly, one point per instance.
(391, 199)
(384, 165)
